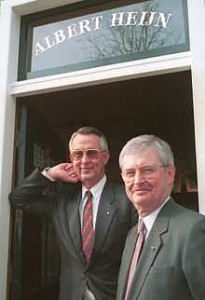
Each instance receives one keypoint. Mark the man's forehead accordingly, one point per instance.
(85, 137)
(140, 157)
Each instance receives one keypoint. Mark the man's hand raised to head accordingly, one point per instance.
(63, 172)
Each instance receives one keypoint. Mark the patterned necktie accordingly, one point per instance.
(87, 228)
(140, 240)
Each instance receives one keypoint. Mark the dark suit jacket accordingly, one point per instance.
(114, 219)
(172, 263)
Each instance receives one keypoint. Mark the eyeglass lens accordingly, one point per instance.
(90, 153)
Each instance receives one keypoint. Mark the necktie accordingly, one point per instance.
(140, 240)
(87, 228)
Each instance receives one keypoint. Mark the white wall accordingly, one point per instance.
(8, 56)
(197, 29)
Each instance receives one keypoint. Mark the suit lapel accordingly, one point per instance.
(74, 223)
(151, 249)
(106, 211)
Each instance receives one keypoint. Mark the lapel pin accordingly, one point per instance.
(107, 212)
(153, 248)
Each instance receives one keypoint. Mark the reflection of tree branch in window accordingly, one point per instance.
(154, 35)
(97, 47)
(154, 40)
(127, 39)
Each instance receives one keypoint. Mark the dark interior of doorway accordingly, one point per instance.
(160, 105)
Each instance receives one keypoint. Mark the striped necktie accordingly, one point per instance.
(87, 228)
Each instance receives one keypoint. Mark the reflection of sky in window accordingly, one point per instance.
(80, 49)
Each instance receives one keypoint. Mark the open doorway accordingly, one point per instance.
(160, 105)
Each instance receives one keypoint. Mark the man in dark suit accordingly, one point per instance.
(90, 260)
(168, 261)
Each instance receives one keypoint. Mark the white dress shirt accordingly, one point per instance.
(150, 219)
(96, 194)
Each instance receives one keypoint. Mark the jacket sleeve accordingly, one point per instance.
(32, 195)
(194, 260)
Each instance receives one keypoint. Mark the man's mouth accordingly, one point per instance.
(140, 190)
(86, 170)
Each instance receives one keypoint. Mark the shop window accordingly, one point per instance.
(84, 36)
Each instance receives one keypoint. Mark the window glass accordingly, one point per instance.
(131, 32)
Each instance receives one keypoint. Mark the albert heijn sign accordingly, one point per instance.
(85, 26)
(131, 32)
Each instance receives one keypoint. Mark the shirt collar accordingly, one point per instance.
(96, 190)
(150, 219)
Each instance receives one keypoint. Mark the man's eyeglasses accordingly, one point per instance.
(147, 172)
(90, 153)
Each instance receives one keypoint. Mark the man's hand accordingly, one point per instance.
(63, 172)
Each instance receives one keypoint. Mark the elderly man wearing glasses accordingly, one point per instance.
(91, 225)
(164, 256)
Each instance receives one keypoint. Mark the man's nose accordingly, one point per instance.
(138, 176)
(85, 158)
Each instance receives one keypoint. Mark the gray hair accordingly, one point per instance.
(87, 131)
(144, 142)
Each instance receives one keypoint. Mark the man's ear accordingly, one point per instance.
(106, 156)
(171, 173)
(122, 176)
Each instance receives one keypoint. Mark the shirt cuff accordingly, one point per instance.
(45, 174)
